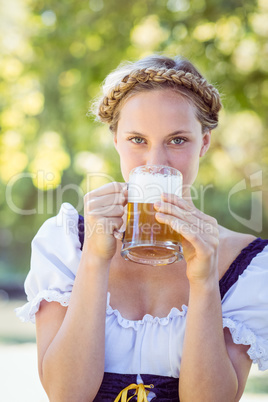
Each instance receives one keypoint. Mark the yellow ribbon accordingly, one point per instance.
(139, 391)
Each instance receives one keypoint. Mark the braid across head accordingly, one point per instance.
(162, 72)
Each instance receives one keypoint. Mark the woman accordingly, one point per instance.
(160, 111)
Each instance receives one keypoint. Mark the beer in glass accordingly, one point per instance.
(146, 241)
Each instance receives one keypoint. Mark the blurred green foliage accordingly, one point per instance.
(55, 54)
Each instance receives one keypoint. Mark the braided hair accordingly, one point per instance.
(154, 73)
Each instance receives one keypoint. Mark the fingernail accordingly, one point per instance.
(157, 204)
(160, 215)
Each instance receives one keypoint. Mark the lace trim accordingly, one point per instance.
(242, 335)
(27, 312)
(148, 318)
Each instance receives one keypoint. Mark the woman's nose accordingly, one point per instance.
(157, 157)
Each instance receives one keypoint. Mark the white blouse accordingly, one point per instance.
(152, 345)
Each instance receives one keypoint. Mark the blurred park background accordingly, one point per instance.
(55, 54)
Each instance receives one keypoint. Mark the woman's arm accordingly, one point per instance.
(71, 341)
(212, 367)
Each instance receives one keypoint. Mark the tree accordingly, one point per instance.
(54, 57)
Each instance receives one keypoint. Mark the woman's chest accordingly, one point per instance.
(137, 290)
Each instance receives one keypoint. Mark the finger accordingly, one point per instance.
(187, 217)
(185, 205)
(109, 188)
(106, 201)
(106, 225)
(189, 230)
(107, 211)
(175, 199)
(173, 209)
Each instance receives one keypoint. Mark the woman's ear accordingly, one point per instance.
(205, 143)
(115, 140)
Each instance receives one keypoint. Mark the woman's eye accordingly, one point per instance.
(137, 140)
(177, 141)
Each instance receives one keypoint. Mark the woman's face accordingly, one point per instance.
(160, 128)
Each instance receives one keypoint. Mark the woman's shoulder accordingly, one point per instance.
(230, 247)
(243, 289)
(56, 253)
(241, 255)
(234, 240)
(60, 228)
(65, 216)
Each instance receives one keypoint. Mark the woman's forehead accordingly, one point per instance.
(163, 110)
(164, 101)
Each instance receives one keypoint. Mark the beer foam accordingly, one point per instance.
(147, 187)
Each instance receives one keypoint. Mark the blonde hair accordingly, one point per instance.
(153, 73)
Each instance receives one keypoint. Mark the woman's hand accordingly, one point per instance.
(200, 236)
(103, 211)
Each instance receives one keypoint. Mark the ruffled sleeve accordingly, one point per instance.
(245, 309)
(54, 261)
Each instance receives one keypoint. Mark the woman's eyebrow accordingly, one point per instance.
(135, 133)
(179, 132)
(168, 135)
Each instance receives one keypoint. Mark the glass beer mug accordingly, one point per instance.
(146, 241)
